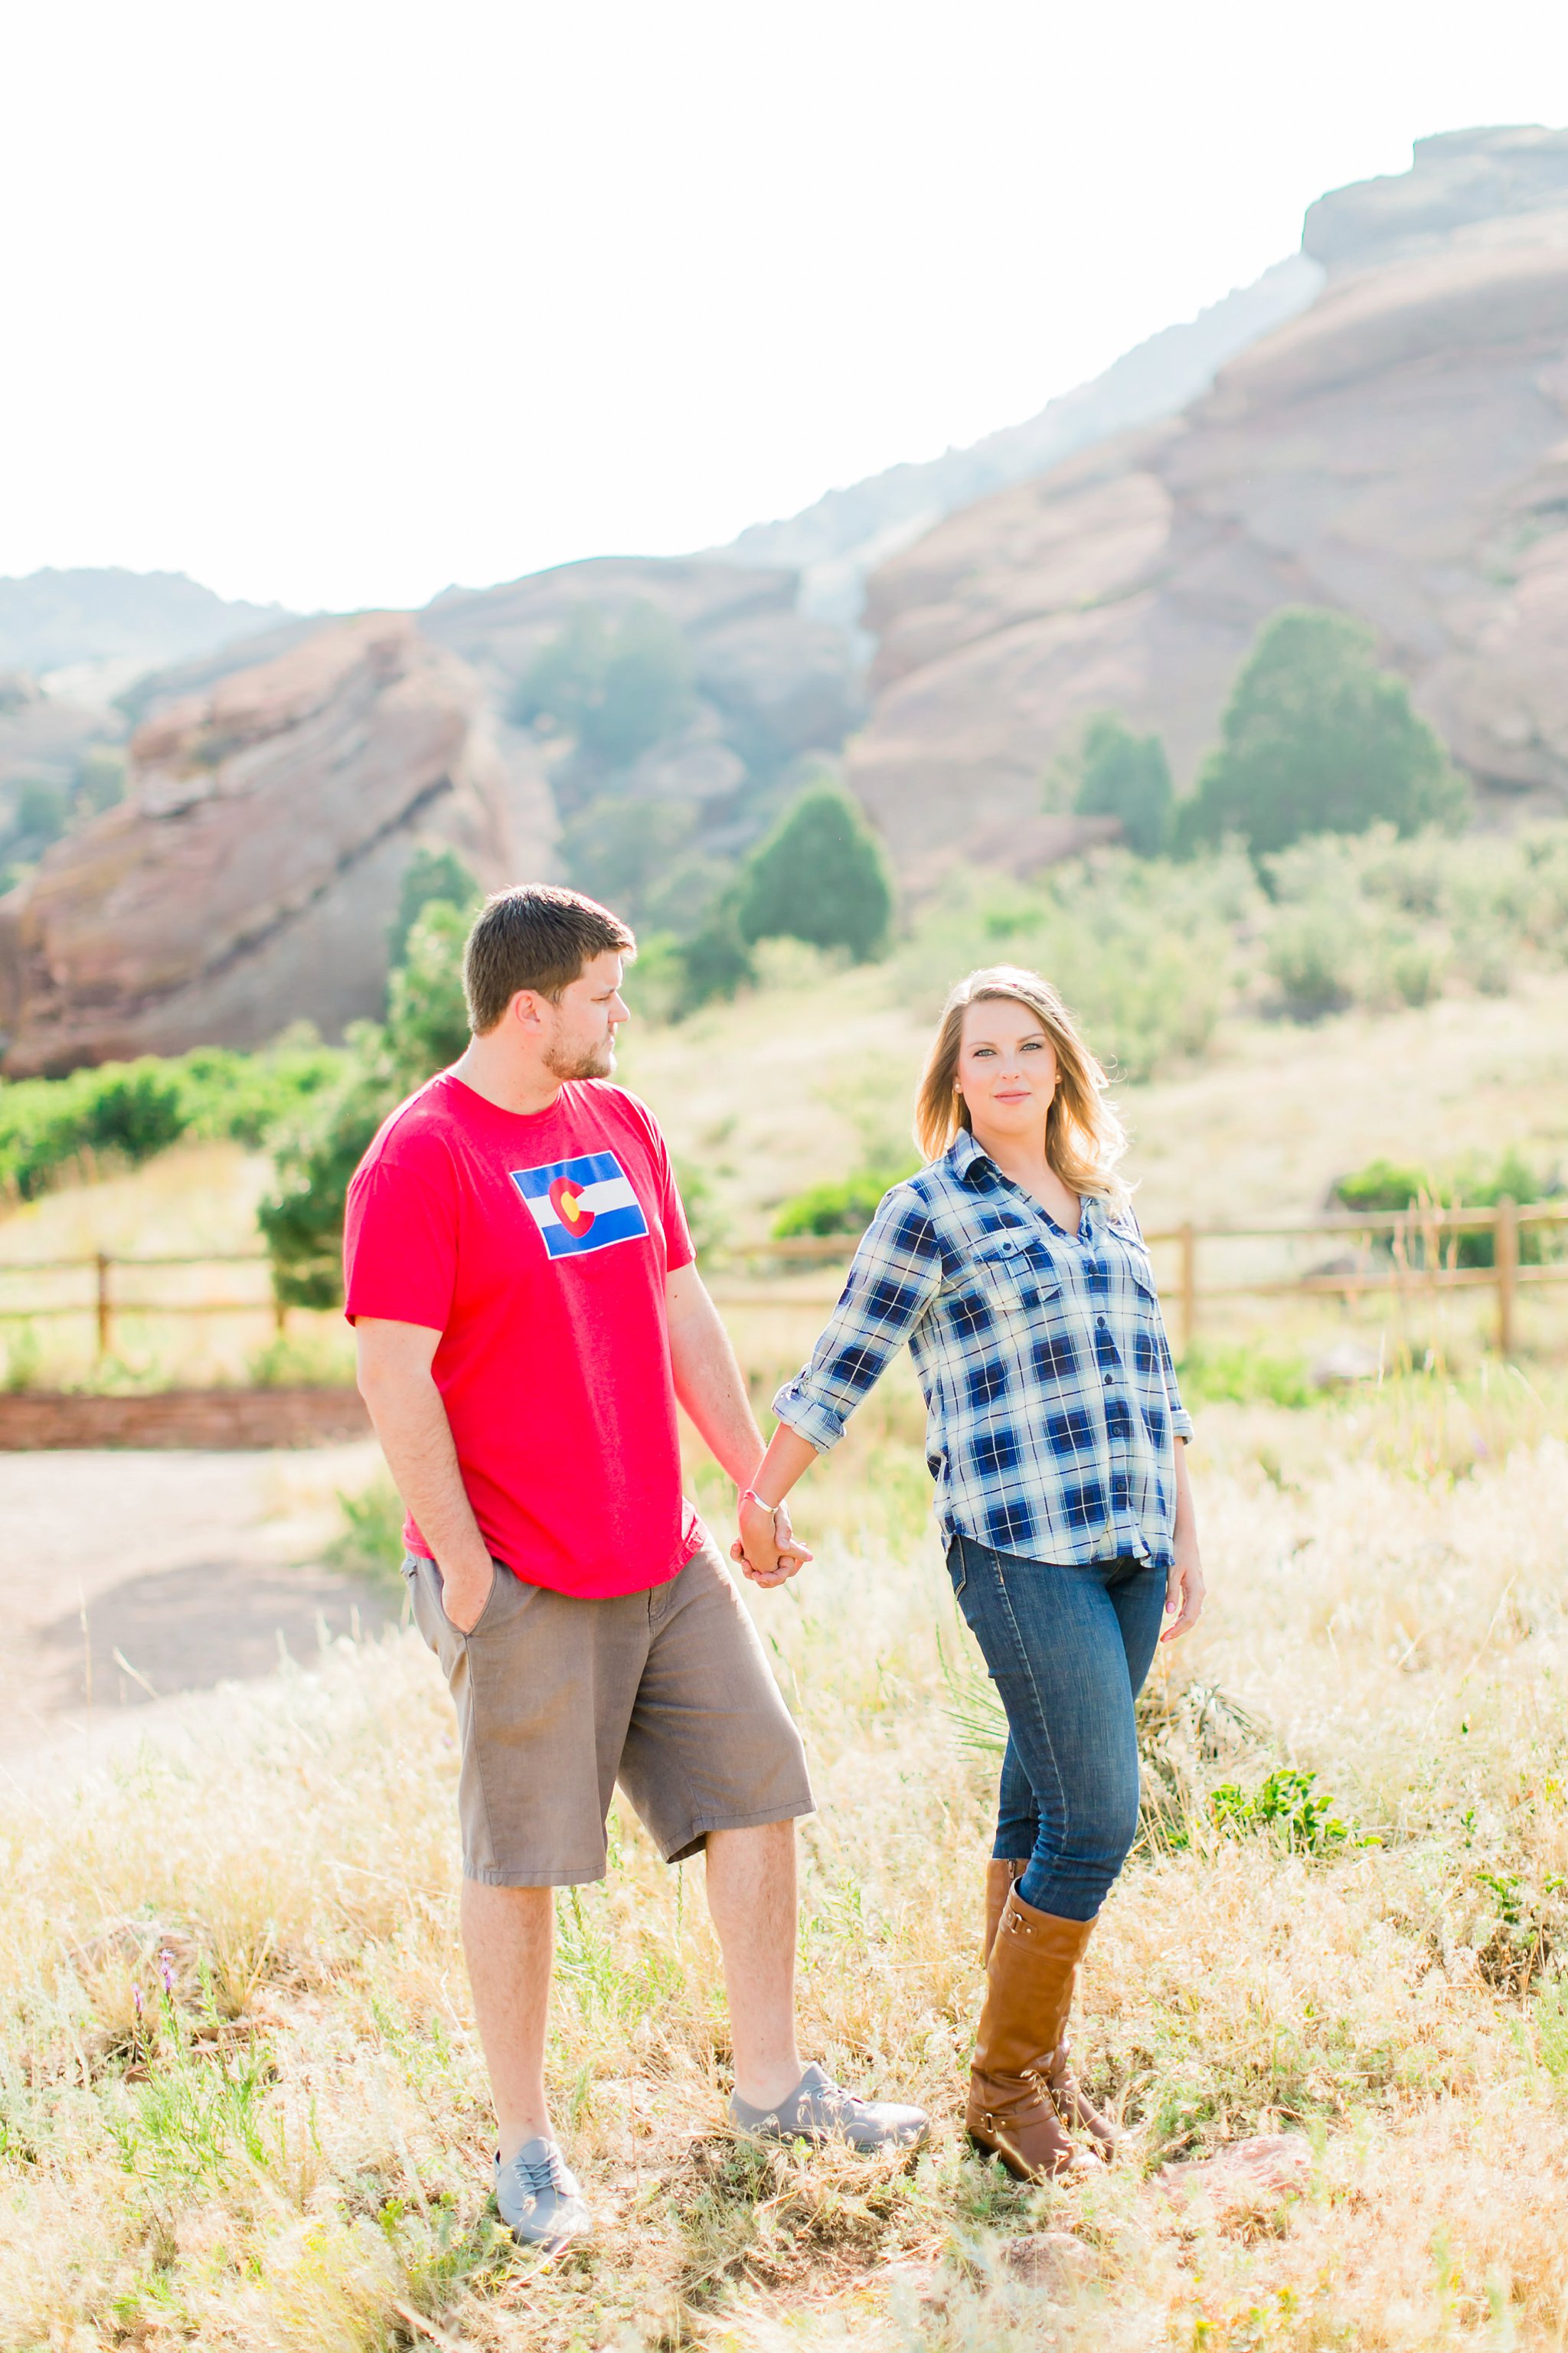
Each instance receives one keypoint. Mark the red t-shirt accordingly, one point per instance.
(538, 1246)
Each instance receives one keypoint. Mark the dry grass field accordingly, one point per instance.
(241, 2104)
(241, 2107)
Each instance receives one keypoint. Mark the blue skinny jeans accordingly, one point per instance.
(1067, 1649)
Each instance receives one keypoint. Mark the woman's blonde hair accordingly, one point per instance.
(1084, 1138)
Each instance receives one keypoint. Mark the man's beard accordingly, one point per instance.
(595, 1062)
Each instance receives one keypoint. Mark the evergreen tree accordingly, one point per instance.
(715, 961)
(621, 850)
(819, 876)
(303, 1222)
(1127, 776)
(427, 1028)
(618, 687)
(430, 877)
(1317, 739)
(426, 1012)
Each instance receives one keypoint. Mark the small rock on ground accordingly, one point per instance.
(1265, 2164)
(1340, 1367)
(1048, 2259)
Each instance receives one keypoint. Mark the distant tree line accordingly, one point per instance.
(819, 876)
(40, 810)
(789, 853)
(1315, 739)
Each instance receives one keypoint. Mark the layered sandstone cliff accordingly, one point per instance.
(1401, 451)
(248, 877)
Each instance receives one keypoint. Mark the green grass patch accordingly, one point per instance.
(843, 1205)
(1234, 1374)
(371, 1540)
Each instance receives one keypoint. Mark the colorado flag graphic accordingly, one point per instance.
(581, 1205)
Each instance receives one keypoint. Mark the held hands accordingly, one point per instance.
(766, 1546)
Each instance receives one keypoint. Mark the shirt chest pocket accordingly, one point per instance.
(1005, 1278)
(1139, 1279)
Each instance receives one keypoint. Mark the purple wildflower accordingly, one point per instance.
(166, 1970)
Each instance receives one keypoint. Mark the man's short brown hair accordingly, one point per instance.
(536, 936)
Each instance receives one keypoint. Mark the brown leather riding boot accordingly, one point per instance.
(1074, 2106)
(999, 1877)
(1071, 2102)
(1012, 2113)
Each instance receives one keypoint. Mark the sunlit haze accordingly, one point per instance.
(337, 304)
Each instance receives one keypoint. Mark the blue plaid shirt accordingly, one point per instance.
(1051, 1401)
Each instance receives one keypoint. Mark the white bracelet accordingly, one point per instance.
(751, 1496)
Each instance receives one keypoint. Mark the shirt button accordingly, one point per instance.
(1108, 1380)
(1100, 1321)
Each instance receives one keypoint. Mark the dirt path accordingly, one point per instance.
(136, 1577)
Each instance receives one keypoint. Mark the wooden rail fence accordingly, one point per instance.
(1421, 1257)
(103, 1300)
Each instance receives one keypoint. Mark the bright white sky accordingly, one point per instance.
(337, 301)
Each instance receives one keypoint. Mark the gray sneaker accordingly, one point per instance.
(817, 2111)
(539, 2198)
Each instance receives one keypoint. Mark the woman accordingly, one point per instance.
(1013, 1266)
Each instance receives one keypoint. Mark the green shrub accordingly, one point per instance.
(1148, 952)
(1361, 920)
(1290, 1805)
(715, 962)
(1317, 739)
(371, 1539)
(99, 779)
(846, 1206)
(1409, 968)
(1386, 1185)
(426, 1011)
(1237, 1375)
(303, 1222)
(24, 1358)
(314, 1359)
(431, 877)
(244, 1097)
(124, 1113)
(705, 1221)
(1126, 776)
(40, 812)
(1314, 954)
(820, 876)
(622, 850)
(1142, 950)
(618, 687)
(654, 984)
(427, 1028)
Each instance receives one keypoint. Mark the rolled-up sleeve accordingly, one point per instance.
(1181, 1419)
(892, 1279)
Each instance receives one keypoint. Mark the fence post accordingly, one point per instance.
(105, 1311)
(1506, 1257)
(1189, 1287)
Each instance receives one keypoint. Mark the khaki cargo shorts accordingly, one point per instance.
(668, 1692)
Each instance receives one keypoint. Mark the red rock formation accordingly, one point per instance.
(248, 877)
(1400, 451)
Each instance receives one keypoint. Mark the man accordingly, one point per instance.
(528, 1311)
